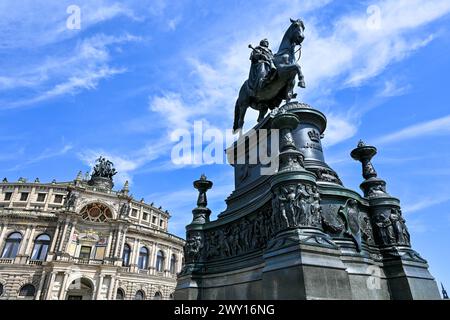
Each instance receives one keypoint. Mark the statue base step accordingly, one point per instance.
(307, 269)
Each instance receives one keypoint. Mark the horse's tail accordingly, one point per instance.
(237, 111)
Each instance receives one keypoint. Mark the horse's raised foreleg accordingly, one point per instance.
(301, 78)
(262, 113)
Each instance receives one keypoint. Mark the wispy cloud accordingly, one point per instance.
(86, 65)
(33, 24)
(434, 127)
(78, 61)
(46, 154)
(425, 203)
(393, 89)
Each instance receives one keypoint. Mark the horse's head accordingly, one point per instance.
(297, 29)
(294, 36)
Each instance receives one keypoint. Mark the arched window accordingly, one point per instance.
(160, 261)
(40, 249)
(12, 244)
(173, 264)
(96, 212)
(120, 295)
(140, 295)
(157, 296)
(1, 289)
(27, 290)
(143, 258)
(126, 255)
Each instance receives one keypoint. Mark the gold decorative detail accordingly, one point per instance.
(96, 212)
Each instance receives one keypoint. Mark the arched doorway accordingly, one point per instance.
(80, 289)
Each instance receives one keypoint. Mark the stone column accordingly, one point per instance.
(33, 191)
(111, 287)
(24, 243)
(136, 248)
(108, 246)
(63, 286)
(30, 242)
(117, 242)
(50, 286)
(99, 287)
(66, 242)
(167, 263)
(49, 197)
(113, 243)
(2, 235)
(153, 253)
(114, 291)
(41, 285)
(121, 243)
(55, 237)
(62, 236)
(179, 262)
(13, 197)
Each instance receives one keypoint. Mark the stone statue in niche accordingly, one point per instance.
(315, 208)
(223, 243)
(280, 220)
(236, 247)
(125, 210)
(400, 230)
(214, 245)
(351, 215)
(193, 248)
(268, 227)
(296, 205)
(71, 200)
(385, 229)
(244, 231)
(366, 229)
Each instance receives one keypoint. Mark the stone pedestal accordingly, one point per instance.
(408, 276)
(188, 288)
(304, 265)
(298, 233)
(101, 183)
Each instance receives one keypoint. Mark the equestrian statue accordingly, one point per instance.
(272, 76)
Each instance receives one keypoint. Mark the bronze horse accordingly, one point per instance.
(283, 83)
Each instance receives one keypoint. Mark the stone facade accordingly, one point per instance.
(82, 240)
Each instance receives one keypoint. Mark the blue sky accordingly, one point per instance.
(137, 70)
